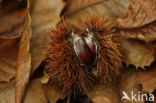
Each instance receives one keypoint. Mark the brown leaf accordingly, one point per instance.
(45, 14)
(145, 33)
(136, 52)
(81, 4)
(12, 18)
(34, 94)
(128, 83)
(111, 9)
(8, 53)
(139, 21)
(23, 66)
(104, 94)
(7, 96)
(140, 12)
(147, 79)
(53, 93)
(142, 82)
(38, 40)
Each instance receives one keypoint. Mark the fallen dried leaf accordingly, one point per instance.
(85, 8)
(136, 52)
(137, 82)
(53, 93)
(140, 12)
(39, 39)
(45, 13)
(128, 83)
(12, 18)
(23, 66)
(6, 93)
(8, 54)
(12, 23)
(81, 4)
(147, 79)
(7, 96)
(104, 93)
(4, 85)
(34, 93)
(139, 21)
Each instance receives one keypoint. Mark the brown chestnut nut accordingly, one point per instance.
(85, 49)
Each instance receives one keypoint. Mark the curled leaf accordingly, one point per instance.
(139, 21)
(140, 13)
(23, 66)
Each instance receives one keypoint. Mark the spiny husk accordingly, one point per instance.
(99, 25)
(109, 61)
(63, 67)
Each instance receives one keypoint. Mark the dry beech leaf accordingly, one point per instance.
(34, 93)
(137, 82)
(8, 53)
(23, 66)
(148, 79)
(12, 19)
(140, 12)
(37, 42)
(128, 82)
(81, 4)
(45, 14)
(139, 21)
(104, 93)
(6, 85)
(136, 52)
(6, 95)
(12, 23)
(53, 93)
(111, 9)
